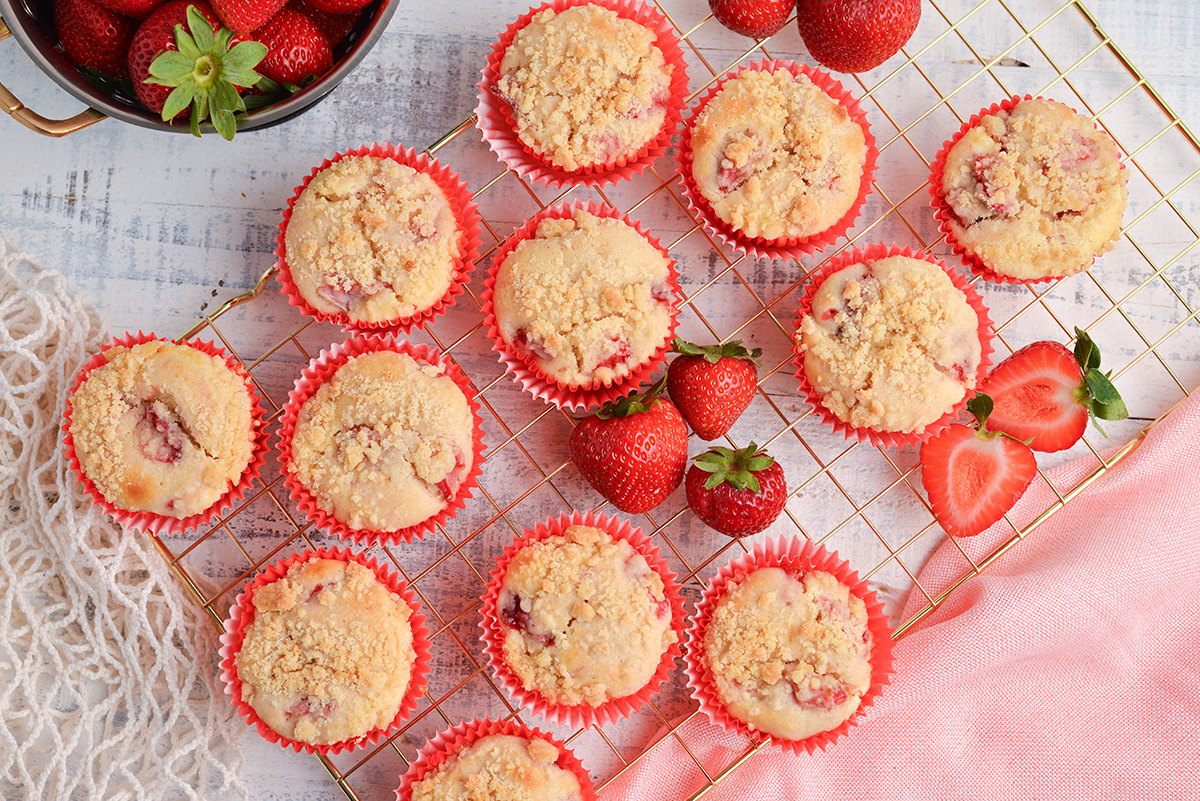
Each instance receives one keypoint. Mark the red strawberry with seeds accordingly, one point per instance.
(738, 493)
(712, 386)
(334, 26)
(1044, 394)
(177, 60)
(94, 36)
(632, 451)
(339, 6)
(856, 35)
(757, 19)
(138, 9)
(296, 48)
(974, 476)
(244, 16)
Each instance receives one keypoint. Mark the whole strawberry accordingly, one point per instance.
(856, 35)
(334, 26)
(738, 493)
(177, 61)
(93, 36)
(973, 476)
(296, 48)
(757, 19)
(632, 451)
(712, 385)
(244, 16)
(1044, 394)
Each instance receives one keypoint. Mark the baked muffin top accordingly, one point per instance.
(776, 157)
(1036, 192)
(586, 86)
(588, 299)
(500, 767)
(789, 656)
(329, 654)
(385, 442)
(890, 344)
(584, 618)
(372, 239)
(162, 428)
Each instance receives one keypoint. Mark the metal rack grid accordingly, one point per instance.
(1139, 302)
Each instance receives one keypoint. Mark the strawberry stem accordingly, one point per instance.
(634, 402)
(714, 353)
(1097, 391)
(736, 467)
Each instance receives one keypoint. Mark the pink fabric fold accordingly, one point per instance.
(1070, 669)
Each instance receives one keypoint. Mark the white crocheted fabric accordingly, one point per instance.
(107, 680)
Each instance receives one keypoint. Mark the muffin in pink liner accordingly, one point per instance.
(582, 646)
(865, 380)
(383, 242)
(581, 305)
(164, 436)
(381, 440)
(831, 633)
(365, 656)
(773, 190)
(1029, 190)
(657, 89)
(538, 757)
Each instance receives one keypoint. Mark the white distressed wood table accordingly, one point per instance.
(157, 230)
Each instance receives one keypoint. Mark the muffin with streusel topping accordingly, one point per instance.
(586, 300)
(1030, 190)
(501, 766)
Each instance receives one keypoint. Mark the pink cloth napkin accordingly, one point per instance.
(1069, 669)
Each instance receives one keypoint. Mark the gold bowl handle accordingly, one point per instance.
(36, 122)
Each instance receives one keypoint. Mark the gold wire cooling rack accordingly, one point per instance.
(1138, 302)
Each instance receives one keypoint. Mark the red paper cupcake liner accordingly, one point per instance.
(792, 247)
(493, 634)
(149, 522)
(241, 615)
(798, 556)
(446, 744)
(890, 439)
(945, 215)
(496, 122)
(320, 370)
(466, 212)
(524, 368)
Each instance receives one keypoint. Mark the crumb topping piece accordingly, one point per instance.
(329, 654)
(586, 87)
(162, 428)
(373, 239)
(776, 157)
(588, 298)
(584, 618)
(891, 345)
(1036, 192)
(385, 443)
(501, 767)
(788, 655)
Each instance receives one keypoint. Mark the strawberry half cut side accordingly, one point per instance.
(1044, 394)
(205, 74)
(973, 476)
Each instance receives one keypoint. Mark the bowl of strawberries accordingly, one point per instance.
(191, 66)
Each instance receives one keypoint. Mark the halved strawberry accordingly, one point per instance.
(1044, 394)
(974, 476)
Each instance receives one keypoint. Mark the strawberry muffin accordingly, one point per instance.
(162, 428)
(775, 157)
(373, 240)
(329, 654)
(789, 655)
(890, 344)
(587, 300)
(501, 766)
(1034, 192)
(584, 618)
(586, 87)
(385, 443)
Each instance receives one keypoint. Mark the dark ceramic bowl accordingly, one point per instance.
(31, 22)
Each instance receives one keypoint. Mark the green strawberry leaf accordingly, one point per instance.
(224, 122)
(735, 467)
(171, 68)
(201, 31)
(1086, 351)
(179, 99)
(714, 353)
(980, 408)
(241, 61)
